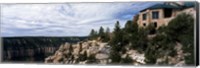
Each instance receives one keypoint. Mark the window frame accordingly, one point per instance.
(155, 14)
(144, 16)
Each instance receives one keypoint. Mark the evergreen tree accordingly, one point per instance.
(117, 38)
(127, 32)
(116, 45)
(181, 29)
(151, 29)
(93, 34)
(115, 57)
(107, 31)
(101, 33)
(117, 28)
(107, 35)
(127, 60)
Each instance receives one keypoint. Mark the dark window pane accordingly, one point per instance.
(167, 13)
(144, 16)
(144, 24)
(155, 24)
(155, 15)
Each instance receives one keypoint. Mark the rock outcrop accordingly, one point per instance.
(177, 60)
(81, 53)
(90, 52)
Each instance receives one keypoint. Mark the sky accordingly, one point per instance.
(65, 19)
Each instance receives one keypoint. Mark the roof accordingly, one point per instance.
(189, 4)
(159, 6)
(176, 6)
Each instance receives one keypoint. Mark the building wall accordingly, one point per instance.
(191, 11)
(160, 21)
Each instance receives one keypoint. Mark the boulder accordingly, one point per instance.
(58, 57)
(101, 56)
(66, 46)
(48, 59)
(76, 51)
(181, 63)
(101, 45)
(85, 45)
(93, 50)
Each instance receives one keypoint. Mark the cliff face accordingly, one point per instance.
(96, 52)
(32, 49)
(90, 52)
(77, 51)
(81, 53)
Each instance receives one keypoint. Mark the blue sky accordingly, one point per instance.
(67, 19)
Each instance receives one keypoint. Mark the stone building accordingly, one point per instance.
(161, 14)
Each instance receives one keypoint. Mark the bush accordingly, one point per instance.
(181, 29)
(127, 60)
(151, 28)
(115, 57)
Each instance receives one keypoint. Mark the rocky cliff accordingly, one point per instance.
(32, 49)
(81, 53)
(90, 52)
(96, 52)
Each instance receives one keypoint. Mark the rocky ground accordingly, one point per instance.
(81, 53)
(89, 52)
(96, 52)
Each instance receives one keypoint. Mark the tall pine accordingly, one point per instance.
(115, 43)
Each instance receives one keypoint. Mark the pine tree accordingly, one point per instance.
(92, 34)
(128, 27)
(127, 32)
(151, 28)
(181, 29)
(117, 27)
(127, 60)
(138, 37)
(107, 35)
(95, 34)
(116, 44)
(117, 37)
(107, 31)
(101, 33)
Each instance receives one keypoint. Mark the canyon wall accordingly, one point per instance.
(32, 49)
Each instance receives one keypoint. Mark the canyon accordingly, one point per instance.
(32, 49)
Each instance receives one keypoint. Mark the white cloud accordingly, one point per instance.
(74, 19)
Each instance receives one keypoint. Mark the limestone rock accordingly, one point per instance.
(101, 56)
(99, 50)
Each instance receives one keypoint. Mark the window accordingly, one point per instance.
(167, 13)
(144, 16)
(155, 24)
(144, 24)
(155, 15)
